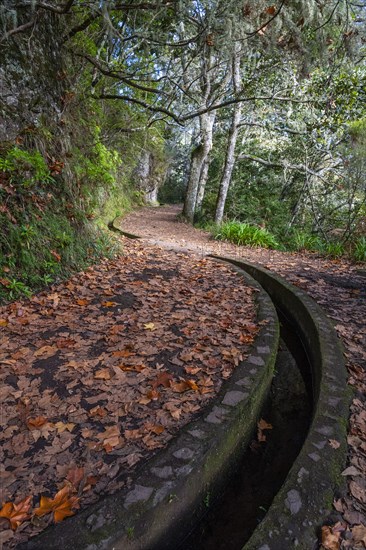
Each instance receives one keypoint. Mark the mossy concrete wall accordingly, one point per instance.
(305, 500)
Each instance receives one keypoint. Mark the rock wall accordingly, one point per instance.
(148, 176)
(32, 90)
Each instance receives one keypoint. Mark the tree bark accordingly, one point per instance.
(198, 158)
(232, 139)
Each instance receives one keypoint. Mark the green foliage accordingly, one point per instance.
(301, 240)
(359, 250)
(25, 168)
(245, 235)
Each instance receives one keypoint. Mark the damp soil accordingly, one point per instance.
(231, 520)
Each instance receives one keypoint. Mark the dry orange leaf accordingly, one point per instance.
(331, 537)
(61, 505)
(82, 302)
(98, 411)
(16, 513)
(164, 379)
(103, 374)
(155, 428)
(61, 426)
(153, 395)
(184, 385)
(149, 326)
(263, 425)
(123, 353)
(109, 304)
(132, 368)
(46, 350)
(3, 322)
(37, 422)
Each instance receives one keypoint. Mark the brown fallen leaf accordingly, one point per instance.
(149, 326)
(263, 425)
(61, 426)
(82, 302)
(184, 385)
(16, 513)
(155, 428)
(330, 540)
(164, 379)
(75, 475)
(103, 374)
(37, 422)
(334, 443)
(359, 533)
(61, 506)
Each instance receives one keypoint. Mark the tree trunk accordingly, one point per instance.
(198, 158)
(202, 184)
(229, 164)
(232, 139)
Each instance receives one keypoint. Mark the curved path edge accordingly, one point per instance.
(170, 493)
(305, 500)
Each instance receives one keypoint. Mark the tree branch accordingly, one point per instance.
(21, 28)
(142, 104)
(62, 10)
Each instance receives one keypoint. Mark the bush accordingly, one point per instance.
(244, 234)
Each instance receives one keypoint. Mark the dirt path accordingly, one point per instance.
(100, 371)
(339, 287)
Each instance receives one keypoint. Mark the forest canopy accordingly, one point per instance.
(245, 111)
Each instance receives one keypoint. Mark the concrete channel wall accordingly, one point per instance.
(305, 500)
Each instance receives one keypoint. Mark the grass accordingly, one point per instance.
(359, 251)
(244, 234)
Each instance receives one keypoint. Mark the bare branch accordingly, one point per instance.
(21, 28)
(143, 104)
(61, 10)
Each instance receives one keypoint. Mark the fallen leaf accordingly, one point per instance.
(98, 411)
(3, 323)
(61, 506)
(330, 540)
(351, 471)
(155, 428)
(109, 304)
(184, 385)
(61, 426)
(82, 302)
(163, 379)
(46, 350)
(16, 513)
(359, 533)
(334, 443)
(149, 326)
(37, 422)
(75, 475)
(103, 374)
(263, 425)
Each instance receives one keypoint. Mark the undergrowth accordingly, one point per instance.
(244, 234)
(45, 233)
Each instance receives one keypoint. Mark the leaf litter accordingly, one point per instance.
(102, 370)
